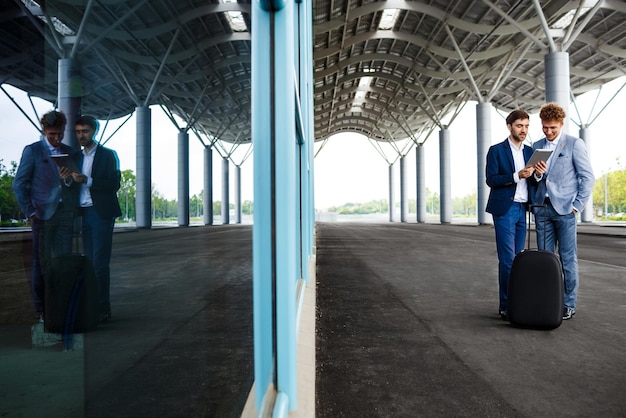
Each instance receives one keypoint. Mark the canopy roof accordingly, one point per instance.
(388, 79)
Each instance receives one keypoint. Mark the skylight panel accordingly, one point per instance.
(568, 17)
(59, 26)
(235, 19)
(388, 19)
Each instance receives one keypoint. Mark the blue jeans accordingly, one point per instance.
(510, 236)
(97, 244)
(559, 231)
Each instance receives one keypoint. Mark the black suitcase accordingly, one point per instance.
(535, 292)
(72, 304)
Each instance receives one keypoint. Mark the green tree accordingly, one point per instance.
(8, 203)
(465, 205)
(127, 193)
(247, 207)
(196, 205)
(609, 193)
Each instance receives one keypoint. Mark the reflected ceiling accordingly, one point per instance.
(389, 70)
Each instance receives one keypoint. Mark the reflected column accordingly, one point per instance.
(225, 193)
(392, 197)
(183, 178)
(208, 186)
(144, 168)
(70, 93)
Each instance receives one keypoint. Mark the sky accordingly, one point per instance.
(348, 167)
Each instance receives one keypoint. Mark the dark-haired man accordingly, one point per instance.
(506, 175)
(100, 180)
(47, 195)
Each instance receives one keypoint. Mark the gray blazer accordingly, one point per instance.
(37, 185)
(569, 179)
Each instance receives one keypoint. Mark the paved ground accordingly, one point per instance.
(406, 327)
(179, 343)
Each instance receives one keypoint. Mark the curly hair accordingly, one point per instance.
(552, 111)
(53, 119)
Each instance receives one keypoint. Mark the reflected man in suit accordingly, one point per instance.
(100, 180)
(506, 175)
(46, 194)
(564, 184)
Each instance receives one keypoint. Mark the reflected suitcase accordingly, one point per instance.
(71, 295)
(535, 293)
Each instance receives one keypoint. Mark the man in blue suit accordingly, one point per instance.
(100, 180)
(47, 195)
(564, 184)
(506, 174)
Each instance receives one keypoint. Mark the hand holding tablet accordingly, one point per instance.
(539, 155)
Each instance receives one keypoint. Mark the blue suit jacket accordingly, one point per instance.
(569, 179)
(37, 185)
(105, 174)
(499, 172)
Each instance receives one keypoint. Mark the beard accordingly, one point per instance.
(517, 137)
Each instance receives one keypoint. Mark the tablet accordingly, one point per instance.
(64, 160)
(539, 155)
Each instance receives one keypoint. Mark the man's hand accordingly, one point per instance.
(540, 168)
(526, 172)
(65, 173)
(79, 178)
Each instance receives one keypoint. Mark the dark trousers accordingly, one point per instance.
(51, 238)
(97, 244)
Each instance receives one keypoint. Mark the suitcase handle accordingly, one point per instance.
(544, 218)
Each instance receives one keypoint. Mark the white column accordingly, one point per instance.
(483, 141)
(445, 199)
(404, 199)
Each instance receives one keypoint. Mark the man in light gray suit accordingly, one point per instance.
(48, 196)
(564, 183)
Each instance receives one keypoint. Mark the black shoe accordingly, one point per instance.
(568, 313)
(104, 317)
(504, 315)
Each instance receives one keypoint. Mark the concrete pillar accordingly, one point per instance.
(392, 197)
(144, 168)
(183, 178)
(225, 193)
(420, 183)
(557, 81)
(483, 142)
(587, 214)
(238, 194)
(445, 202)
(70, 93)
(404, 198)
(208, 187)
